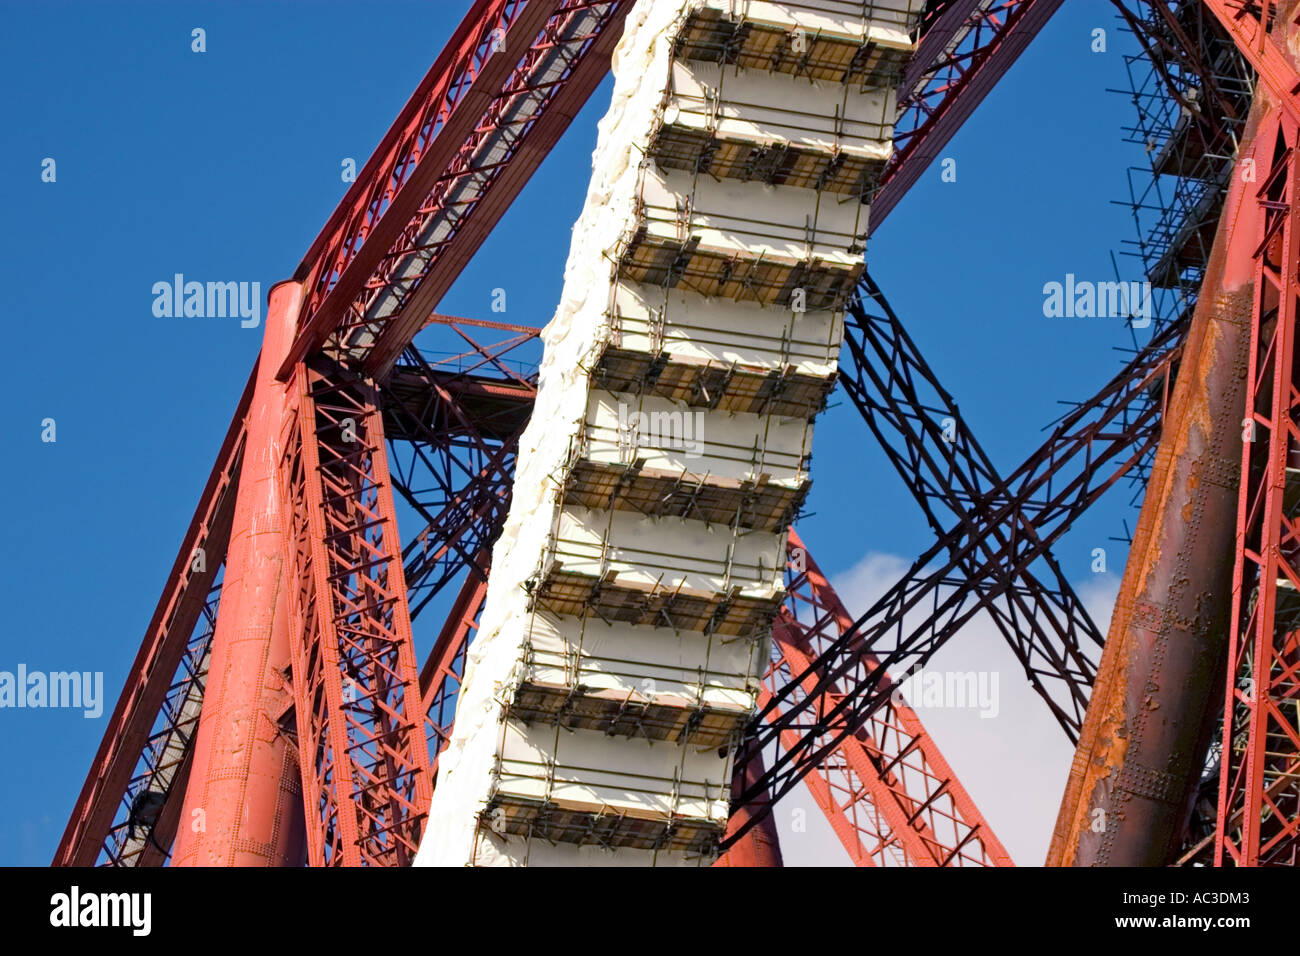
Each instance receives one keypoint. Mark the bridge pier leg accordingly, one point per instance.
(243, 805)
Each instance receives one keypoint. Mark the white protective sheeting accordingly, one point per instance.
(627, 774)
(766, 108)
(665, 436)
(725, 332)
(645, 663)
(495, 759)
(888, 23)
(753, 220)
(466, 767)
(671, 553)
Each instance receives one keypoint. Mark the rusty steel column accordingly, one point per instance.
(243, 804)
(760, 846)
(1160, 683)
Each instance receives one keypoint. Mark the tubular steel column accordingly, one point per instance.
(242, 805)
(1258, 814)
(1158, 688)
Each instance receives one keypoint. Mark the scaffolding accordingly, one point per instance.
(621, 681)
(716, 355)
(728, 216)
(1191, 90)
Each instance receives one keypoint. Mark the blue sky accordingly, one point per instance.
(224, 165)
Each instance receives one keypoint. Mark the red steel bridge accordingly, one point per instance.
(313, 733)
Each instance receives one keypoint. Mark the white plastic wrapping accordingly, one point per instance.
(466, 766)
(726, 332)
(648, 779)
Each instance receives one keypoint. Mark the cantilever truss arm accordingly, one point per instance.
(963, 53)
(126, 762)
(932, 448)
(507, 85)
(888, 792)
(1092, 448)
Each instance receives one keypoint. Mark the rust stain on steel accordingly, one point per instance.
(1160, 679)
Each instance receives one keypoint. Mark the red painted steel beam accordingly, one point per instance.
(432, 126)
(429, 171)
(591, 53)
(1135, 772)
(366, 779)
(972, 47)
(887, 790)
(1248, 24)
(1141, 754)
(146, 822)
(165, 640)
(760, 846)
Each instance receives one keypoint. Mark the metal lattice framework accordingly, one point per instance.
(1259, 808)
(482, 120)
(112, 783)
(474, 131)
(360, 720)
(930, 444)
(967, 46)
(1089, 450)
(889, 794)
(147, 819)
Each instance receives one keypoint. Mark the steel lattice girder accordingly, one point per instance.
(150, 809)
(480, 122)
(965, 50)
(933, 450)
(1236, 837)
(461, 432)
(351, 223)
(1102, 438)
(1259, 802)
(453, 439)
(886, 789)
(141, 707)
(365, 762)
